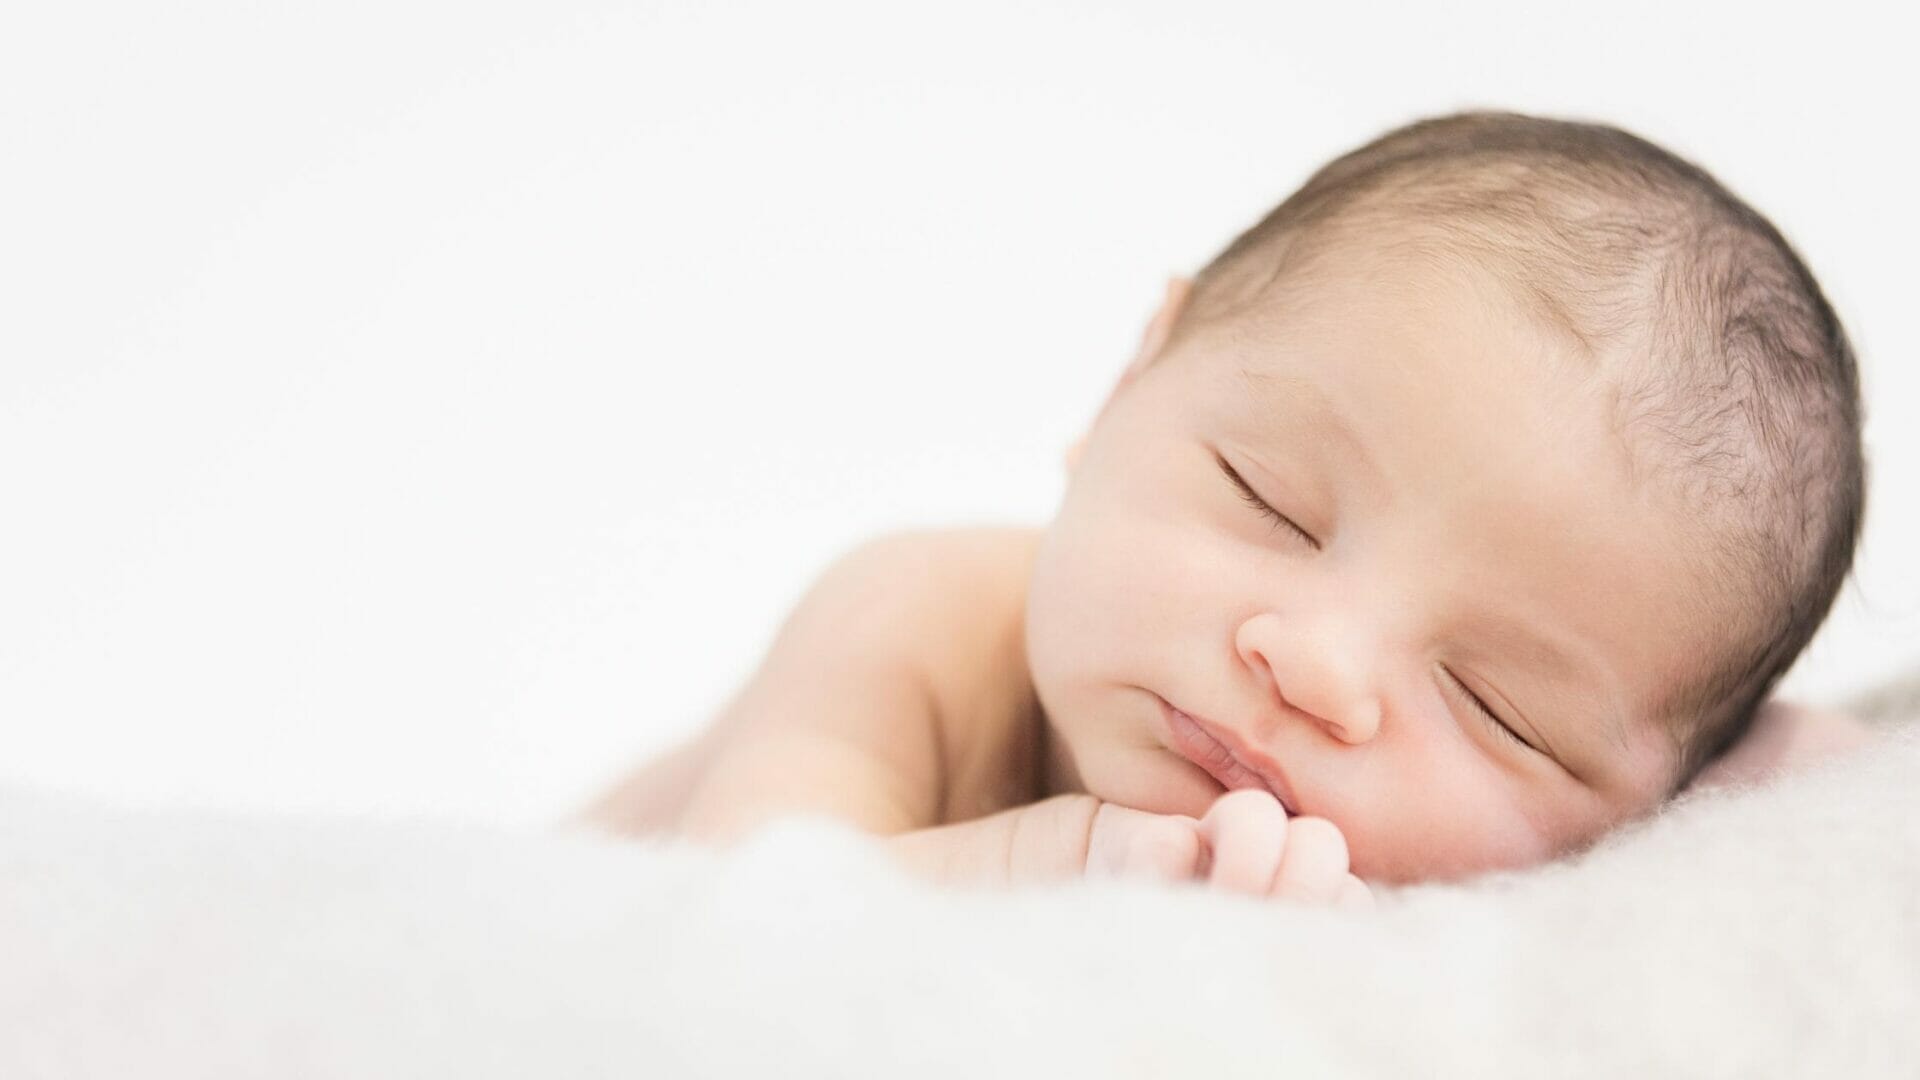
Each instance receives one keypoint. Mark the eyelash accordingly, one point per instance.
(1248, 496)
(1481, 707)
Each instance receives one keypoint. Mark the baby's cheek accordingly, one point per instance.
(1440, 839)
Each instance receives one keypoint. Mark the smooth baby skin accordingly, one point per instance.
(1381, 533)
(907, 590)
(1332, 532)
(894, 698)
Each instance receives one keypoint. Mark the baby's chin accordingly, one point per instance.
(1149, 778)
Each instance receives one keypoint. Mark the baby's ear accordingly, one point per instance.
(1160, 327)
(1152, 340)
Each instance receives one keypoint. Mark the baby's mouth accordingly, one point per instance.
(1205, 744)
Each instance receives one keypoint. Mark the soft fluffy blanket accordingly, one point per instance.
(1760, 932)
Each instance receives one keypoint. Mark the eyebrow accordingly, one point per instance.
(1279, 392)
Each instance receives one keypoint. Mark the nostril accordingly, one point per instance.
(1314, 669)
(1359, 723)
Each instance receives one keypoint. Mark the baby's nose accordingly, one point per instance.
(1356, 723)
(1318, 669)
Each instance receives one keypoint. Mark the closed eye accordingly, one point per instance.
(1473, 701)
(1252, 499)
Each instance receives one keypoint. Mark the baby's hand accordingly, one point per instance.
(1257, 849)
(1246, 844)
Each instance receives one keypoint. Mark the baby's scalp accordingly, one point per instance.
(1736, 390)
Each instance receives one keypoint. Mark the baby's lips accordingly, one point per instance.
(1227, 756)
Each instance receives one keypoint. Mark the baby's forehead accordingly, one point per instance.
(1422, 318)
(1582, 283)
(1450, 323)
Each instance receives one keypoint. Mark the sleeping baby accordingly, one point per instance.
(1466, 507)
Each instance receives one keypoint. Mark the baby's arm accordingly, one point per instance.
(843, 718)
(1245, 844)
(838, 719)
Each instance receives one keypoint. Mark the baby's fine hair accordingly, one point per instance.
(1736, 382)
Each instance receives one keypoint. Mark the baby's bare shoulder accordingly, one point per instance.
(968, 631)
(960, 552)
(948, 588)
(963, 581)
(901, 594)
(940, 613)
(884, 699)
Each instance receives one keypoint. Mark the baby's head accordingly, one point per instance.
(1494, 410)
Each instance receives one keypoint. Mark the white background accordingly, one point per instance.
(415, 407)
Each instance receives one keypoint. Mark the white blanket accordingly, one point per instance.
(1768, 932)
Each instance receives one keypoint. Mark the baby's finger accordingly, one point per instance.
(1313, 869)
(1354, 893)
(1135, 844)
(1246, 832)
